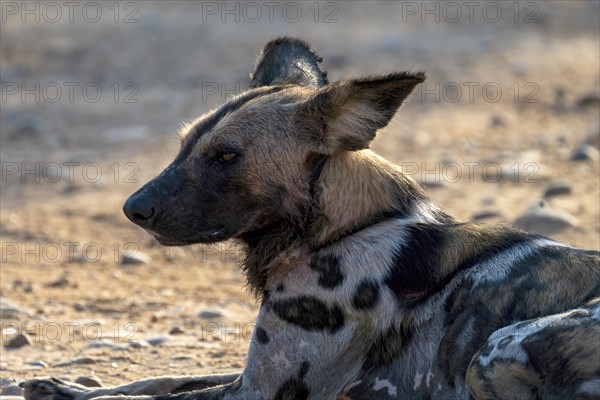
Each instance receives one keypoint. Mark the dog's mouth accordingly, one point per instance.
(204, 237)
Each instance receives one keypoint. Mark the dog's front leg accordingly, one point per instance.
(302, 349)
(54, 389)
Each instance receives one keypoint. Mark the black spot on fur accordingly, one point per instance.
(328, 267)
(310, 313)
(262, 336)
(415, 263)
(388, 346)
(415, 275)
(295, 388)
(280, 288)
(361, 392)
(366, 295)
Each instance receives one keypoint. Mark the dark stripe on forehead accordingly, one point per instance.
(204, 126)
(231, 106)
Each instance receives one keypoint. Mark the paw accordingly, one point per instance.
(51, 389)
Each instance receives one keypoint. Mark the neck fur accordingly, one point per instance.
(358, 189)
(353, 191)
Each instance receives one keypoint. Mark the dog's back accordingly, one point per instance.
(543, 294)
(432, 290)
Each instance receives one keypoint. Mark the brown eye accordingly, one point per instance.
(226, 157)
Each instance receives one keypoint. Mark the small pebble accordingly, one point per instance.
(89, 381)
(158, 340)
(497, 121)
(218, 354)
(70, 189)
(58, 283)
(108, 345)
(544, 220)
(138, 344)
(135, 258)
(9, 310)
(585, 152)
(210, 314)
(183, 358)
(76, 361)
(176, 331)
(485, 215)
(591, 101)
(38, 364)
(18, 341)
(557, 189)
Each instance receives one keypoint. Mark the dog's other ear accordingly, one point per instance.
(345, 115)
(288, 61)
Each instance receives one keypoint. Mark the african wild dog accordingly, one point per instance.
(367, 289)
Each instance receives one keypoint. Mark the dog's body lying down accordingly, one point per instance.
(368, 290)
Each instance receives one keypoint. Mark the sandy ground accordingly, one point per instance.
(519, 96)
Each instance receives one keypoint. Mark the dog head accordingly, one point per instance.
(250, 162)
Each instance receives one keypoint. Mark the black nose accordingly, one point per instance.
(140, 208)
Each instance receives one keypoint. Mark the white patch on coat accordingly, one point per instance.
(590, 387)
(596, 312)
(385, 384)
(418, 380)
(428, 378)
(368, 254)
(550, 243)
(351, 385)
(529, 328)
(280, 359)
(513, 350)
(422, 212)
(497, 268)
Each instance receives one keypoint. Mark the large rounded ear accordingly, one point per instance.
(345, 115)
(288, 61)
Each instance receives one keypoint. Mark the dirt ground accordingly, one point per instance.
(91, 105)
